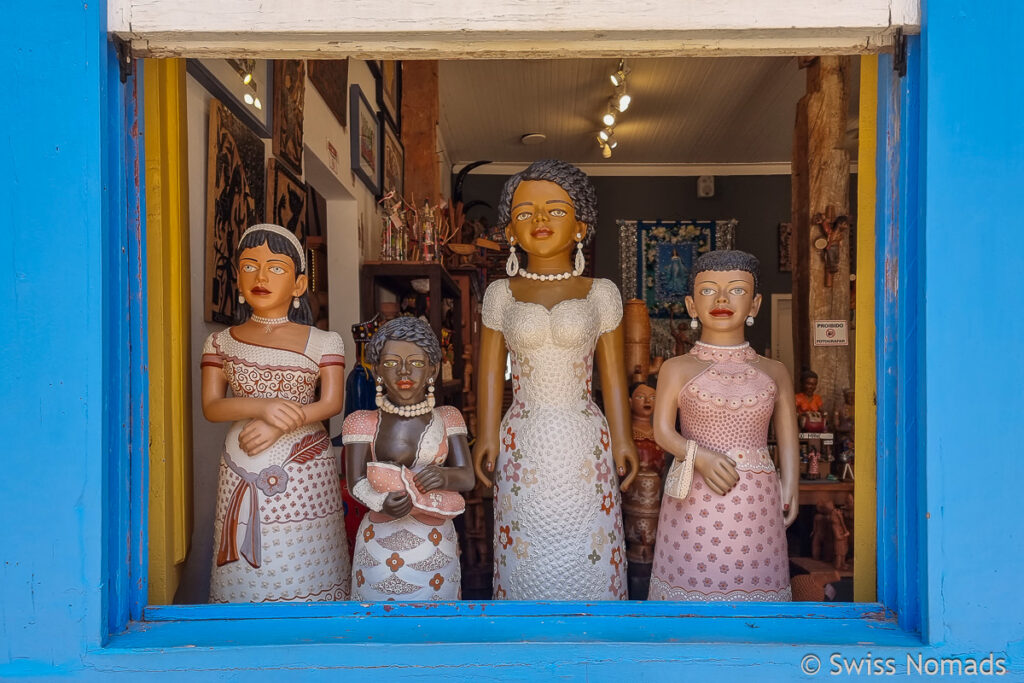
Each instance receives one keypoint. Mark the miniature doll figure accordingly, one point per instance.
(406, 461)
(809, 404)
(844, 417)
(722, 528)
(813, 463)
(641, 502)
(840, 538)
(555, 460)
(280, 528)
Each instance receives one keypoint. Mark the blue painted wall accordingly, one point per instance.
(973, 169)
(53, 161)
(64, 342)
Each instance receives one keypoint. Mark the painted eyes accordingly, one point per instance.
(415, 363)
(711, 291)
(554, 213)
(250, 268)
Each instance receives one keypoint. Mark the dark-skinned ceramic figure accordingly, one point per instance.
(406, 461)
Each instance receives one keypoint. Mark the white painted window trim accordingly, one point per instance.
(428, 29)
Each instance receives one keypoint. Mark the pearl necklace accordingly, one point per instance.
(268, 323)
(420, 408)
(552, 276)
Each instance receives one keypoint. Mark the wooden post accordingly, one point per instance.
(821, 185)
(420, 114)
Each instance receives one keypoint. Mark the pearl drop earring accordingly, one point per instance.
(750, 321)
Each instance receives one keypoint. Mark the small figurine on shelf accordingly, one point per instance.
(843, 422)
(272, 362)
(406, 462)
(813, 463)
(809, 404)
(840, 538)
(722, 528)
(641, 501)
(846, 459)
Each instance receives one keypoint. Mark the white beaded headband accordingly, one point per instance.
(283, 232)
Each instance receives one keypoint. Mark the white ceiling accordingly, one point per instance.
(685, 110)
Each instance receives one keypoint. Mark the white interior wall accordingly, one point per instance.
(349, 204)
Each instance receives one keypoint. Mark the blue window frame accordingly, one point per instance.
(591, 628)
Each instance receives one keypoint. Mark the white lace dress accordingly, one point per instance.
(558, 519)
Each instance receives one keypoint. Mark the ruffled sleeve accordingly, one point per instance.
(453, 422)
(359, 427)
(493, 308)
(609, 304)
(211, 354)
(332, 351)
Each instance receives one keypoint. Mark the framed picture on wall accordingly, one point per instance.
(330, 78)
(389, 89)
(364, 132)
(286, 199)
(289, 101)
(392, 160)
(235, 191)
(244, 86)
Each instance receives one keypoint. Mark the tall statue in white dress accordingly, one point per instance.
(555, 460)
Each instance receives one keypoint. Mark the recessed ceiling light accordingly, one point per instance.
(533, 138)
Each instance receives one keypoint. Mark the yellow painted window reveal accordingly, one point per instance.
(167, 264)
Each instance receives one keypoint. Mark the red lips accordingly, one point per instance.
(259, 291)
(721, 312)
(541, 233)
(405, 384)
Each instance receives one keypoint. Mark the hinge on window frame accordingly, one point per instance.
(899, 55)
(125, 62)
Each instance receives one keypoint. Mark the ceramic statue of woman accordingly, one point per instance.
(722, 527)
(406, 461)
(555, 459)
(280, 528)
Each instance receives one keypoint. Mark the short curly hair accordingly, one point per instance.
(571, 179)
(726, 260)
(408, 329)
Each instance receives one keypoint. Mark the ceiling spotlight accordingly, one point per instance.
(613, 144)
(619, 77)
(533, 138)
(249, 99)
(256, 103)
(622, 101)
(609, 117)
(246, 79)
(605, 134)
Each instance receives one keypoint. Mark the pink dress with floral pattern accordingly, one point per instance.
(558, 518)
(279, 534)
(730, 547)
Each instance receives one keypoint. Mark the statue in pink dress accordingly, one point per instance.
(406, 462)
(280, 527)
(722, 526)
